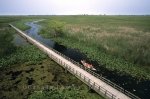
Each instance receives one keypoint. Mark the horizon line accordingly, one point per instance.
(73, 14)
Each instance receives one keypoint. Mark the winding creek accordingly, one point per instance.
(140, 88)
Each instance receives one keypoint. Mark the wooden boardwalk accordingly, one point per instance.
(93, 80)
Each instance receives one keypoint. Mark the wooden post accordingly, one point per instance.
(112, 96)
(94, 85)
(80, 74)
(99, 88)
(89, 81)
(105, 92)
(65, 70)
(84, 77)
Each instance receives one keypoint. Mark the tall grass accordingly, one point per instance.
(31, 64)
(124, 42)
(120, 42)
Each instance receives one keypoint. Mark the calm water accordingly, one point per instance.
(139, 88)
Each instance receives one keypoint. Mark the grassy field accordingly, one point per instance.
(26, 72)
(119, 42)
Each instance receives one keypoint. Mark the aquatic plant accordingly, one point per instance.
(21, 55)
(62, 92)
(119, 42)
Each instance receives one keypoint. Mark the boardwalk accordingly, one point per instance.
(96, 84)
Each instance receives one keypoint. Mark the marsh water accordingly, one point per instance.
(140, 88)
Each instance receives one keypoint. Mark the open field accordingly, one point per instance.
(119, 42)
(25, 72)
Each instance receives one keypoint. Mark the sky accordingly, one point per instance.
(73, 7)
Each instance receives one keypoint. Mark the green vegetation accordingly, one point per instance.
(7, 19)
(21, 55)
(21, 24)
(11, 54)
(55, 28)
(6, 41)
(119, 42)
(25, 71)
(6, 36)
(63, 93)
(28, 80)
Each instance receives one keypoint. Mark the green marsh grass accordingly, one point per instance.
(119, 42)
(22, 68)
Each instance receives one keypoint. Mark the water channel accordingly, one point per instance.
(140, 88)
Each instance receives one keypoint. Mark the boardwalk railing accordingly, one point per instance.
(99, 89)
(132, 96)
